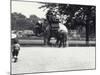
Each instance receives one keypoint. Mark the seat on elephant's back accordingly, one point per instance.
(55, 27)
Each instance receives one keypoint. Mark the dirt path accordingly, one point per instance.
(40, 59)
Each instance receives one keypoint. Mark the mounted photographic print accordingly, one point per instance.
(52, 37)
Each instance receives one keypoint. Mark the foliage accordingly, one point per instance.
(21, 22)
(78, 17)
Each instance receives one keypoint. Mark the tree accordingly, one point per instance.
(21, 22)
(18, 21)
(34, 19)
(79, 16)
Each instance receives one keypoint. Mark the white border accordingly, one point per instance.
(5, 36)
(82, 2)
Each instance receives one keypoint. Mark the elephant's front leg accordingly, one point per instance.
(48, 41)
(57, 42)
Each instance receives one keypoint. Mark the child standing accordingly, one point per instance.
(15, 50)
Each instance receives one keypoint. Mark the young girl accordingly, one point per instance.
(15, 50)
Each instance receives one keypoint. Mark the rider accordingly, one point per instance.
(49, 16)
(52, 20)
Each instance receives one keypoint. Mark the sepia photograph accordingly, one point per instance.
(52, 37)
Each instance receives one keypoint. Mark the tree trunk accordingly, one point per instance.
(88, 12)
(87, 33)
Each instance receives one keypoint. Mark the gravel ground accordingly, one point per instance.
(45, 59)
